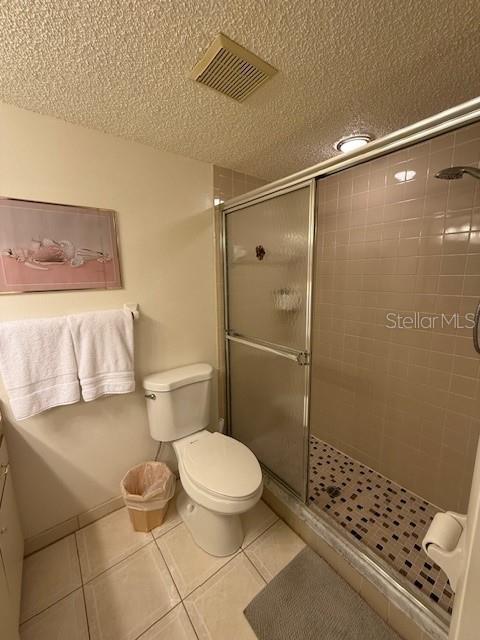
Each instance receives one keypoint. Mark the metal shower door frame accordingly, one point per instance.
(301, 357)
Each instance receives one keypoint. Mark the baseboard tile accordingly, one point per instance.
(101, 510)
(49, 536)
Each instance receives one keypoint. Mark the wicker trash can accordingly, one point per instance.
(147, 489)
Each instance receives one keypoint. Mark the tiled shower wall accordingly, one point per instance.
(230, 184)
(394, 239)
(226, 184)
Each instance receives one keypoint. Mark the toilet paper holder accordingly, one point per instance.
(444, 543)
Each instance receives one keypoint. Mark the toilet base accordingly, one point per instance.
(216, 533)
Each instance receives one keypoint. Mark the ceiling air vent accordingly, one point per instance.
(231, 69)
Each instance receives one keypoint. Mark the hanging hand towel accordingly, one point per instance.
(103, 342)
(38, 365)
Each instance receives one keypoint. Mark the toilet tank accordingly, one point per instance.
(178, 401)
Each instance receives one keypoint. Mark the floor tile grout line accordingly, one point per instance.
(87, 582)
(190, 620)
(83, 589)
(50, 605)
(254, 566)
(180, 604)
(79, 561)
(86, 612)
(167, 531)
(240, 552)
(154, 539)
(177, 589)
(169, 572)
(235, 555)
(261, 534)
(68, 594)
(174, 526)
(84, 583)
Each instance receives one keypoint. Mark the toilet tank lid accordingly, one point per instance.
(175, 378)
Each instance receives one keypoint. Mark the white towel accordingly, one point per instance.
(103, 342)
(38, 365)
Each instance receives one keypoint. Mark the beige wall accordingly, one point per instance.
(403, 401)
(70, 459)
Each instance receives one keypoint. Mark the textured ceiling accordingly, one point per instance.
(122, 67)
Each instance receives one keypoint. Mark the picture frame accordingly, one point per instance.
(57, 247)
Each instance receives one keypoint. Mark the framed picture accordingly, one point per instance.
(56, 247)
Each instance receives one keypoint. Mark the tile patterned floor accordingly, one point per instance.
(108, 582)
(379, 513)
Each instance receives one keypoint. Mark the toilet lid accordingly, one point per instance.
(222, 465)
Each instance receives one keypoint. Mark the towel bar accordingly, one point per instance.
(134, 310)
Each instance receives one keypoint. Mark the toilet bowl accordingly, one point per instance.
(221, 477)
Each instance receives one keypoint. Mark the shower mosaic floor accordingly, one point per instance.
(380, 513)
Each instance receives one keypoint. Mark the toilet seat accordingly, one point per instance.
(218, 472)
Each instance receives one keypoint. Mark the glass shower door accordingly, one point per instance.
(269, 274)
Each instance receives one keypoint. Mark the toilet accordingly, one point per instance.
(221, 477)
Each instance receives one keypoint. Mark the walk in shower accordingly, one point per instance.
(352, 375)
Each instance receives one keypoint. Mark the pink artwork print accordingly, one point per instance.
(51, 247)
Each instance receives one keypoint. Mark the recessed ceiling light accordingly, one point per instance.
(351, 143)
(405, 175)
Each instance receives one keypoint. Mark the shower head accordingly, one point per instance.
(455, 173)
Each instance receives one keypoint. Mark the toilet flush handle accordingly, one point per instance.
(151, 396)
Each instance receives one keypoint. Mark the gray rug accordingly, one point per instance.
(309, 601)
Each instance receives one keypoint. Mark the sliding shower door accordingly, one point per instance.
(269, 245)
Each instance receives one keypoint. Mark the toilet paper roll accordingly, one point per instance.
(445, 532)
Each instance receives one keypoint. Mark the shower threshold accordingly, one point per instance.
(375, 511)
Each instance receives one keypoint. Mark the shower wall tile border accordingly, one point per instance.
(315, 528)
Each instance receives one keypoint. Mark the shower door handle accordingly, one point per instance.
(476, 321)
(302, 358)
